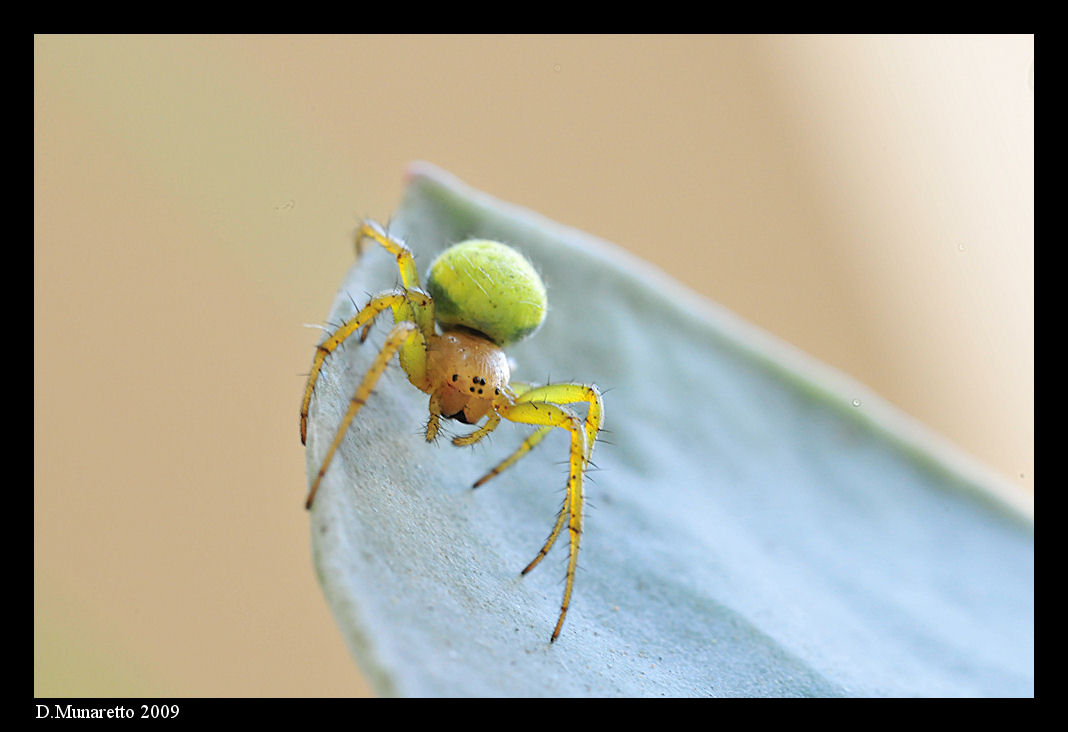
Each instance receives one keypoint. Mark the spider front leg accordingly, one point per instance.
(492, 422)
(405, 335)
(410, 303)
(560, 394)
(407, 305)
(552, 415)
(405, 261)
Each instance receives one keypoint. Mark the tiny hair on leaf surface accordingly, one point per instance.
(747, 532)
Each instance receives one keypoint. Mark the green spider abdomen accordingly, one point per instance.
(487, 287)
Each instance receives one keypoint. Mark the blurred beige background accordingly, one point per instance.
(868, 199)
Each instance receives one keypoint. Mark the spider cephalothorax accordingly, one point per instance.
(466, 373)
(484, 296)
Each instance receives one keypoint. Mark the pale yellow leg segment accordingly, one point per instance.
(551, 415)
(415, 305)
(422, 306)
(508, 462)
(551, 540)
(571, 394)
(516, 389)
(435, 417)
(405, 261)
(332, 343)
(400, 334)
(492, 421)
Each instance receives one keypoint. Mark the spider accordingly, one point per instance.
(481, 296)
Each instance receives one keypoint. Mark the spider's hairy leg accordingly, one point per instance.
(552, 415)
(403, 333)
(560, 394)
(511, 391)
(533, 439)
(413, 305)
(560, 516)
(405, 261)
(334, 341)
(572, 394)
(492, 421)
(435, 416)
(519, 387)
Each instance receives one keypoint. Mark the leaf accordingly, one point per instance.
(749, 531)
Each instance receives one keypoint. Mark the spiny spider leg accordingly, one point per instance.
(572, 394)
(408, 304)
(404, 333)
(571, 510)
(435, 416)
(405, 261)
(561, 394)
(492, 421)
(533, 439)
(403, 304)
(544, 413)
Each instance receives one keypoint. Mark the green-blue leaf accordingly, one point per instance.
(749, 531)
